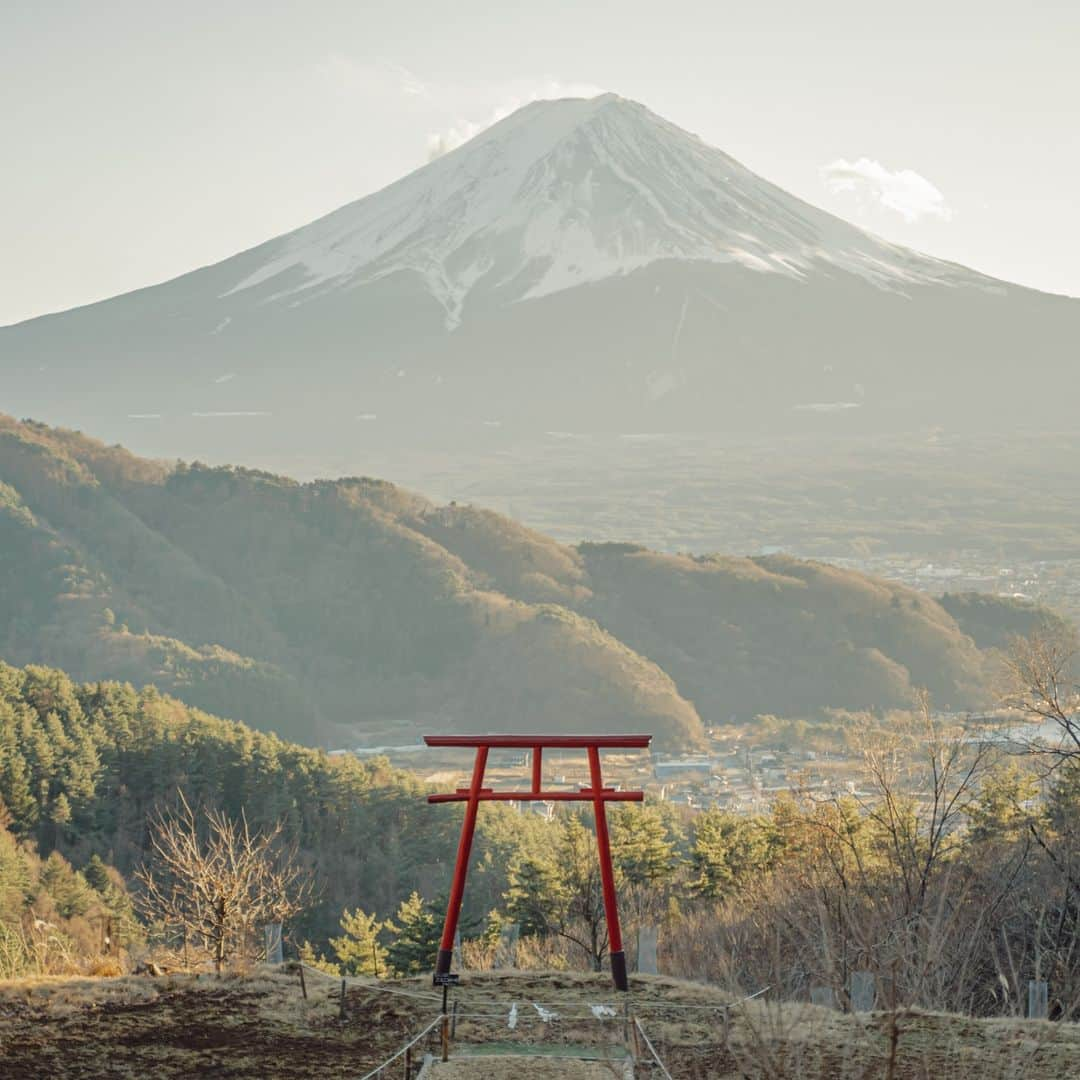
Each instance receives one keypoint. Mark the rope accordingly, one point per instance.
(651, 1048)
(375, 988)
(525, 1016)
(408, 1046)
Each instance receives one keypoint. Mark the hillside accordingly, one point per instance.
(351, 609)
(83, 767)
(257, 1026)
(581, 266)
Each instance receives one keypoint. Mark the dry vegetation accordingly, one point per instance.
(259, 1026)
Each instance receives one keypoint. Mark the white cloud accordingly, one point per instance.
(904, 191)
(345, 76)
(509, 99)
(453, 112)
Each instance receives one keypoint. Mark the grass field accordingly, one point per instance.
(259, 1026)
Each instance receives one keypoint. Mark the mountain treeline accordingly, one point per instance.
(330, 610)
(85, 768)
(949, 875)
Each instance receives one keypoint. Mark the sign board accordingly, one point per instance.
(446, 980)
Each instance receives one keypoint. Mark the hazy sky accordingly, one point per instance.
(142, 139)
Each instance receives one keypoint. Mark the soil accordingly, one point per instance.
(258, 1027)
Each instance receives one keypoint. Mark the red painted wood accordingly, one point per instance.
(526, 742)
(461, 867)
(597, 794)
(584, 795)
(537, 772)
(607, 875)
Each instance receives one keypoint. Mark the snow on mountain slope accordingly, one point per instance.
(567, 192)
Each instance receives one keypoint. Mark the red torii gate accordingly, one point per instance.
(596, 793)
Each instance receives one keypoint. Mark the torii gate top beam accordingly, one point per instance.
(528, 742)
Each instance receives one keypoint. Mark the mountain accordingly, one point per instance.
(583, 265)
(347, 610)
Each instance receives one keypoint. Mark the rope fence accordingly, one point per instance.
(405, 1054)
(653, 1057)
(524, 1012)
(375, 988)
(559, 1006)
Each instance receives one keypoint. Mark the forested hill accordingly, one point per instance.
(351, 608)
(83, 768)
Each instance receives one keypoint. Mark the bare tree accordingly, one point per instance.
(219, 882)
(1043, 683)
(879, 885)
(1043, 673)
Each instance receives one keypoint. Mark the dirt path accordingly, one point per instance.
(525, 1068)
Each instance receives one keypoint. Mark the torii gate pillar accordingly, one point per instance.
(596, 793)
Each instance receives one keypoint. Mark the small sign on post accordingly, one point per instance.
(448, 978)
(274, 951)
(1038, 999)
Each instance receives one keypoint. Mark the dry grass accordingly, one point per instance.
(258, 1026)
(516, 1068)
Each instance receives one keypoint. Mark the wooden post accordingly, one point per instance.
(453, 1021)
(607, 874)
(303, 984)
(727, 1024)
(445, 1037)
(445, 956)
(626, 1022)
(408, 1063)
(341, 1008)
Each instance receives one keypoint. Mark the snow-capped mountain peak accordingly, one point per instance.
(562, 193)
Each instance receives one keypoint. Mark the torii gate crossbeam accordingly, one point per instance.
(596, 793)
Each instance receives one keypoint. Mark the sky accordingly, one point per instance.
(144, 139)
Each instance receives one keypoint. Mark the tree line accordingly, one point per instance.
(951, 873)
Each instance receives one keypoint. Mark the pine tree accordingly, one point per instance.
(641, 849)
(1003, 808)
(68, 888)
(727, 848)
(358, 948)
(416, 931)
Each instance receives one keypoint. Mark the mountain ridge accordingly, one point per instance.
(539, 176)
(568, 118)
(350, 609)
(581, 266)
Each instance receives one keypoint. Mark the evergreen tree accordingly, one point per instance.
(641, 849)
(16, 879)
(1004, 805)
(727, 849)
(68, 888)
(416, 931)
(358, 948)
(113, 895)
